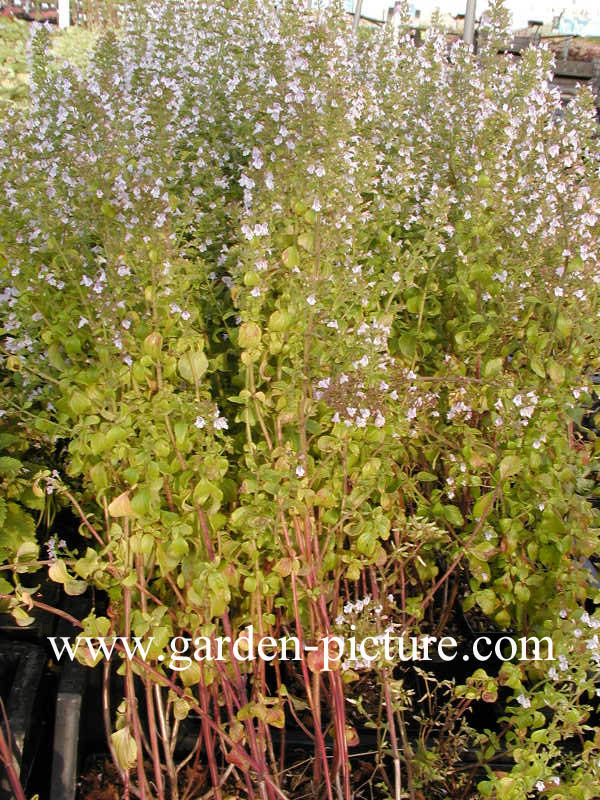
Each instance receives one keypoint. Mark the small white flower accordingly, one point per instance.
(255, 292)
(524, 701)
(558, 292)
(563, 663)
(261, 229)
(311, 300)
(300, 471)
(396, 277)
(200, 422)
(221, 424)
(540, 786)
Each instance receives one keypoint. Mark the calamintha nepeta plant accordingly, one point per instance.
(316, 321)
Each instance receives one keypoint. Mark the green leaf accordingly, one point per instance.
(454, 516)
(510, 465)
(366, 543)
(206, 490)
(425, 476)
(192, 366)
(28, 551)
(75, 588)
(9, 467)
(482, 505)
(306, 241)
(556, 372)
(57, 572)
(413, 304)
(6, 439)
(18, 530)
(21, 617)
(486, 600)
(538, 367)
(249, 335)
(493, 367)
(290, 257)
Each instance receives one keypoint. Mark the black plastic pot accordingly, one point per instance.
(67, 722)
(21, 670)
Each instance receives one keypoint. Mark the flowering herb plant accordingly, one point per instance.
(316, 318)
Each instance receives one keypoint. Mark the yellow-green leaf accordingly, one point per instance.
(125, 748)
(121, 506)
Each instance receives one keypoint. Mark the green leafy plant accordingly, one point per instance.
(316, 322)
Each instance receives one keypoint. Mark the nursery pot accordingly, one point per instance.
(21, 670)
